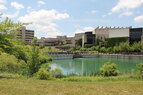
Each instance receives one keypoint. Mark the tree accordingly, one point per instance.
(8, 41)
(34, 60)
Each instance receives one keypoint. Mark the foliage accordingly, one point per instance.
(103, 49)
(45, 72)
(136, 47)
(34, 62)
(18, 53)
(124, 47)
(57, 73)
(124, 77)
(109, 69)
(88, 45)
(46, 67)
(10, 64)
(43, 75)
(140, 68)
(110, 42)
(8, 41)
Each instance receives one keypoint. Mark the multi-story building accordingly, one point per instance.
(26, 35)
(108, 32)
(136, 35)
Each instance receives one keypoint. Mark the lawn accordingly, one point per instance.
(47, 87)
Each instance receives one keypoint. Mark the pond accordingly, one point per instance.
(91, 66)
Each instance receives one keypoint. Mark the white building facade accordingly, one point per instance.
(108, 32)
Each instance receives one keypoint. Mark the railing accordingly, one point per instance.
(70, 55)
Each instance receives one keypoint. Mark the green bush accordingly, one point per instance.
(103, 49)
(109, 69)
(10, 64)
(46, 67)
(140, 68)
(43, 75)
(57, 73)
(88, 45)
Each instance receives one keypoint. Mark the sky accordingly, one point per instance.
(51, 18)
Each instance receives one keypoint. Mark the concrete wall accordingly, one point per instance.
(101, 33)
(121, 32)
(122, 56)
(108, 32)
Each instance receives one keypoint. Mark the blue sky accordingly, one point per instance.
(67, 17)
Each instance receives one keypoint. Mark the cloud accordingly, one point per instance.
(138, 19)
(91, 12)
(18, 6)
(85, 29)
(11, 15)
(29, 9)
(126, 5)
(41, 2)
(126, 14)
(3, 1)
(43, 21)
(2, 7)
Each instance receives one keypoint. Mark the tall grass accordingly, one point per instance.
(125, 77)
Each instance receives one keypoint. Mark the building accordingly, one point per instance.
(26, 35)
(88, 38)
(109, 32)
(60, 40)
(136, 35)
(84, 38)
(62, 37)
(78, 39)
(49, 41)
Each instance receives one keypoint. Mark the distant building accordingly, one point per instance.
(23, 34)
(49, 41)
(84, 38)
(108, 32)
(60, 40)
(62, 37)
(88, 38)
(136, 35)
(26, 35)
(78, 37)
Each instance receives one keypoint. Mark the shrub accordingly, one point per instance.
(140, 68)
(103, 49)
(10, 64)
(43, 75)
(46, 67)
(57, 73)
(109, 69)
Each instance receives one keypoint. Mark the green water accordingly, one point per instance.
(91, 66)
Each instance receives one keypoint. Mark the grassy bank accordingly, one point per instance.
(18, 85)
(38, 87)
